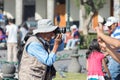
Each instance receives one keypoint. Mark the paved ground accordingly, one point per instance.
(64, 59)
(3, 53)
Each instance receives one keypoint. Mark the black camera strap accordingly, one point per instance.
(51, 72)
(45, 44)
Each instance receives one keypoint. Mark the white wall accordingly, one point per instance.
(41, 9)
(105, 11)
(19, 11)
(74, 11)
(117, 9)
(9, 8)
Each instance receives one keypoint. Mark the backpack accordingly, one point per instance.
(21, 46)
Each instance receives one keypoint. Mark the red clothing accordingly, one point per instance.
(95, 63)
(68, 36)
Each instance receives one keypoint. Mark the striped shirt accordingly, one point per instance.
(113, 66)
(116, 33)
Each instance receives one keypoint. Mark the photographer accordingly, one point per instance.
(37, 59)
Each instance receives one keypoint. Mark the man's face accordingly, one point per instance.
(49, 35)
(112, 27)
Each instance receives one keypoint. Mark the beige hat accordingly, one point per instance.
(44, 26)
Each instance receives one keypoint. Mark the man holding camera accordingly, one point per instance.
(37, 60)
(114, 30)
(112, 48)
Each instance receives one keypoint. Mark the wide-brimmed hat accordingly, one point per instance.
(111, 20)
(44, 26)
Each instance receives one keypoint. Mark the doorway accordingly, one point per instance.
(29, 12)
(60, 9)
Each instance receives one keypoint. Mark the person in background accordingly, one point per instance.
(23, 31)
(1, 16)
(23, 35)
(95, 60)
(75, 37)
(58, 19)
(6, 19)
(2, 35)
(11, 32)
(67, 37)
(37, 59)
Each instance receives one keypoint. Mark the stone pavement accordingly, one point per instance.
(63, 59)
(3, 53)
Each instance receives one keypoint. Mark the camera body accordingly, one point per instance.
(59, 30)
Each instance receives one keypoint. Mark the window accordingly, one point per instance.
(2, 5)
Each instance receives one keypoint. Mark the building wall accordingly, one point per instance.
(9, 8)
(74, 11)
(117, 9)
(105, 11)
(41, 9)
(60, 10)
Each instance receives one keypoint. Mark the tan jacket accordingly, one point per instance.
(30, 67)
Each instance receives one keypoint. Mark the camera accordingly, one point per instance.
(59, 30)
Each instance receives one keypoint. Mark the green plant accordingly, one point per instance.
(82, 44)
(87, 9)
(93, 5)
(85, 40)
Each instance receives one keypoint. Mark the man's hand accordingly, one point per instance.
(58, 39)
(57, 42)
(102, 44)
(99, 31)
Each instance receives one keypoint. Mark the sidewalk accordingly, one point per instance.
(3, 53)
(63, 59)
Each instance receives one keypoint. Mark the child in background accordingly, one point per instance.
(95, 61)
